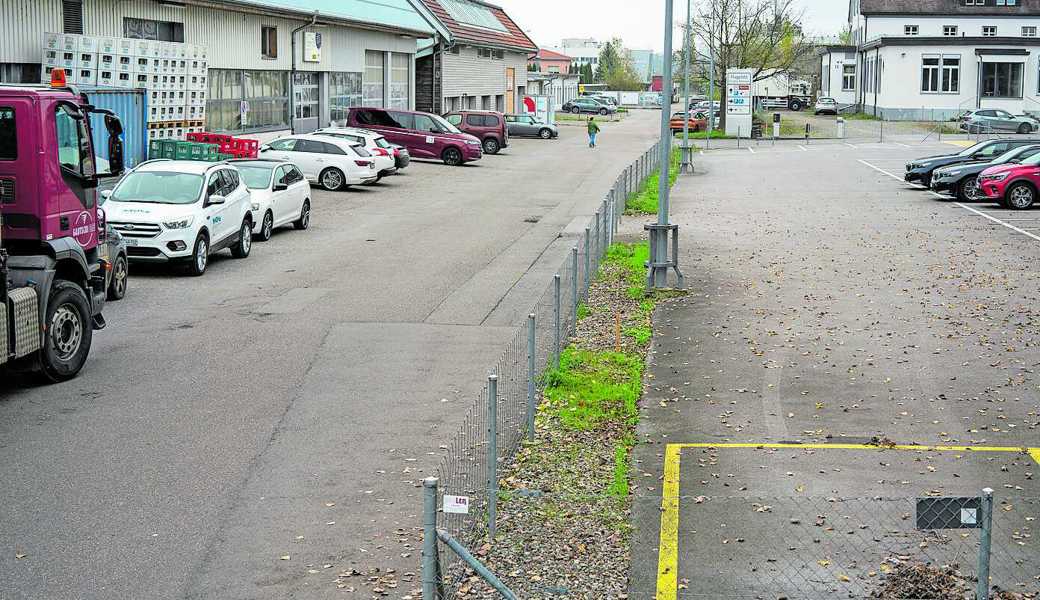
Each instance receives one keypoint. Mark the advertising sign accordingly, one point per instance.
(738, 102)
(311, 46)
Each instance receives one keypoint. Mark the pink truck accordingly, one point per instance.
(52, 264)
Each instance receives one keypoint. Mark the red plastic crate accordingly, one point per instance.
(246, 148)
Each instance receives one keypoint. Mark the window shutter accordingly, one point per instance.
(72, 16)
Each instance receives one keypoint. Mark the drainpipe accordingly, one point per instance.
(292, 71)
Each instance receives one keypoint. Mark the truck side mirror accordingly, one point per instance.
(115, 146)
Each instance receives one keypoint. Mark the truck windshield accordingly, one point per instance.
(159, 187)
(256, 178)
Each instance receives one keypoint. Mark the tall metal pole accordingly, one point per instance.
(687, 162)
(659, 249)
(711, 93)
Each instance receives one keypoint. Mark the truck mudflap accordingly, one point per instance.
(25, 313)
(5, 351)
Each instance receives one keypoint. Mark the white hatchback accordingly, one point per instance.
(381, 150)
(330, 162)
(281, 195)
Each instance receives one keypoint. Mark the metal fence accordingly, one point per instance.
(500, 416)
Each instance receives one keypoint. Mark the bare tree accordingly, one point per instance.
(762, 35)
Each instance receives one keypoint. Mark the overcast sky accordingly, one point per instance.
(639, 22)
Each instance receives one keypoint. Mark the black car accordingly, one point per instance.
(961, 180)
(920, 169)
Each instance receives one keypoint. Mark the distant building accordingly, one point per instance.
(646, 63)
(583, 51)
(547, 61)
(561, 87)
(477, 58)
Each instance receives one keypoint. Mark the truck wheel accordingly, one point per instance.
(69, 332)
(305, 216)
(796, 105)
(245, 240)
(199, 256)
(120, 271)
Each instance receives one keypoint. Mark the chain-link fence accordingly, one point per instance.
(499, 417)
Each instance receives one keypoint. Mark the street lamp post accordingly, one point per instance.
(687, 154)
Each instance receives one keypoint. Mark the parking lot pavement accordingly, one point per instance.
(231, 435)
(849, 343)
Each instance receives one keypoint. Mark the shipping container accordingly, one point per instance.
(131, 106)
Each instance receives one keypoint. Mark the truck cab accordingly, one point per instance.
(52, 271)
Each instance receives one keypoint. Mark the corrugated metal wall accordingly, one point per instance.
(468, 74)
(232, 38)
(132, 108)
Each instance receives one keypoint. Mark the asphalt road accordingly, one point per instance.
(830, 303)
(257, 431)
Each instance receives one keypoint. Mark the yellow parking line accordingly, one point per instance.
(668, 552)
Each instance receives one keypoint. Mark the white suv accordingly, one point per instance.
(331, 162)
(181, 211)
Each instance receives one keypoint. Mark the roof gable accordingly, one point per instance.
(546, 54)
(480, 23)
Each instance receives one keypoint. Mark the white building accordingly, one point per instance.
(933, 59)
(583, 51)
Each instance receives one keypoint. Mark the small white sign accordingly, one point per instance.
(429, 139)
(456, 504)
(969, 516)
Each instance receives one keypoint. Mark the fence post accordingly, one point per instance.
(430, 563)
(588, 275)
(530, 375)
(574, 286)
(556, 314)
(597, 236)
(606, 230)
(982, 592)
(492, 455)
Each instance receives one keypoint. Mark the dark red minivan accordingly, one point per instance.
(488, 126)
(425, 135)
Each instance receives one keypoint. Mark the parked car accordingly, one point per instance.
(704, 104)
(425, 135)
(530, 126)
(402, 158)
(181, 211)
(487, 126)
(1013, 185)
(588, 106)
(697, 123)
(381, 151)
(995, 119)
(113, 250)
(331, 162)
(280, 195)
(921, 169)
(826, 106)
(962, 180)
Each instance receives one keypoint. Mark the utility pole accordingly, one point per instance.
(657, 277)
(686, 166)
(711, 93)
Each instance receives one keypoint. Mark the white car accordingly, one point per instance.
(826, 106)
(330, 162)
(181, 211)
(281, 195)
(381, 150)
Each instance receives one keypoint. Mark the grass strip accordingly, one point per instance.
(644, 200)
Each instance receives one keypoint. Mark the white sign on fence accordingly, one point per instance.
(456, 504)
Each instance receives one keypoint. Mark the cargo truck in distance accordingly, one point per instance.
(52, 261)
(781, 90)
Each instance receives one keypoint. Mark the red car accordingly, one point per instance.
(488, 126)
(425, 135)
(1013, 185)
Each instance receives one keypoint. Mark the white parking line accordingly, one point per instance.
(996, 220)
(803, 148)
(900, 144)
(849, 145)
(750, 149)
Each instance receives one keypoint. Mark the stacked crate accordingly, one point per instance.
(174, 75)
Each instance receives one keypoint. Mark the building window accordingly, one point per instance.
(910, 29)
(1029, 31)
(268, 42)
(989, 30)
(848, 78)
(399, 76)
(950, 30)
(930, 74)
(247, 100)
(146, 29)
(344, 92)
(72, 16)
(305, 95)
(372, 83)
(951, 74)
(1002, 80)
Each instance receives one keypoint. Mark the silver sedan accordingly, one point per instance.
(529, 126)
(995, 119)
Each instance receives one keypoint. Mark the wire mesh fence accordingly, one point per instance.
(471, 461)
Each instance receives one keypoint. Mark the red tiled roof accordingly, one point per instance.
(544, 54)
(512, 38)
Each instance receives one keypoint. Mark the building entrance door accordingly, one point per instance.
(510, 90)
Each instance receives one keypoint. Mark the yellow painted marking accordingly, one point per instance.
(961, 143)
(668, 548)
(668, 553)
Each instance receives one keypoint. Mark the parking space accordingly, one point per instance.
(850, 344)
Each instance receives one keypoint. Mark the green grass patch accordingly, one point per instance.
(703, 135)
(583, 310)
(859, 116)
(590, 388)
(619, 485)
(631, 259)
(644, 201)
(640, 334)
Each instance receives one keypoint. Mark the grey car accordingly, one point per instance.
(995, 119)
(529, 126)
(588, 106)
